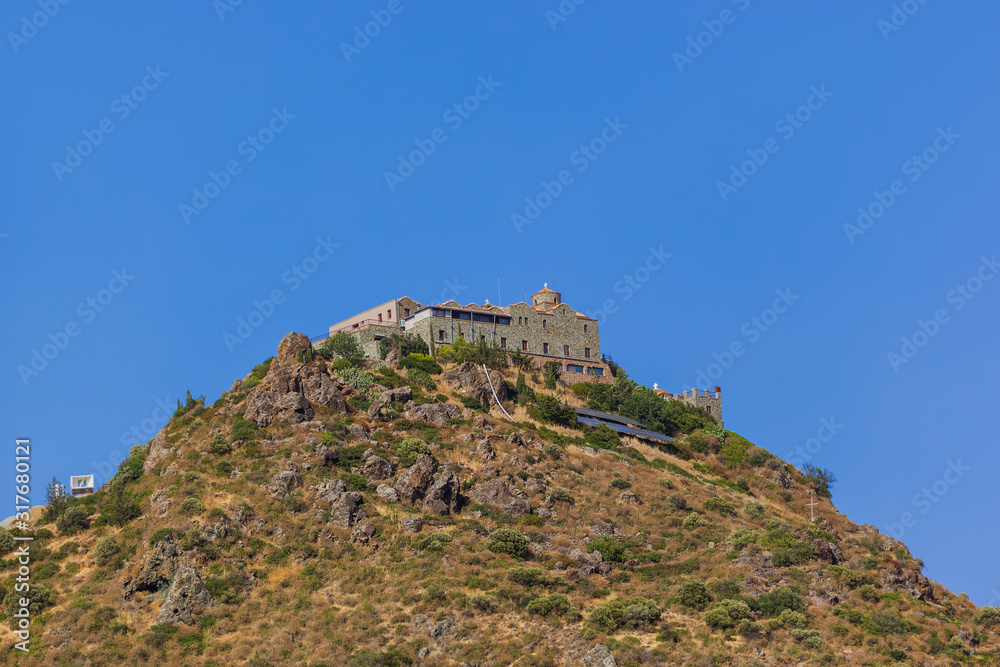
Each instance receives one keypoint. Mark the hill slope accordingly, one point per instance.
(318, 514)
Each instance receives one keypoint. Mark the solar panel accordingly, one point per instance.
(607, 417)
(627, 430)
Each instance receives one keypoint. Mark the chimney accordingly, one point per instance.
(718, 392)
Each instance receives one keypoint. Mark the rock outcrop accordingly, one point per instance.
(294, 348)
(442, 496)
(341, 503)
(376, 469)
(397, 395)
(415, 480)
(433, 413)
(496, 492)
(164, 570)
(472, 380)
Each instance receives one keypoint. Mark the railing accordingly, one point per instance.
(365, 323)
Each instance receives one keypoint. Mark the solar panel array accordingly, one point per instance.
(607, 417)
(627, 430)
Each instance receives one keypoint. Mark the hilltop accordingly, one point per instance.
(330, 511)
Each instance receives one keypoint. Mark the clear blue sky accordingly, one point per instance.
(629, 125)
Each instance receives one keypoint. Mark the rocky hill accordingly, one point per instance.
(325, 513)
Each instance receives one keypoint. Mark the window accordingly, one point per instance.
(586, 352)
(439, 312)
(584, 326)
(573, 368)
(406, 313)
(503, 343)
(545, 348)
(595, 371)
(388, 314)
(482, 338)
(524, 345)
(544, 324)
(440, 334)
(503, 320)
(380, 317)
(709, 408)
(459, 315)
(565, 350)
(519, 321)
(478, 317)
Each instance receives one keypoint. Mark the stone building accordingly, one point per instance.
(547, 329)
(707, 401)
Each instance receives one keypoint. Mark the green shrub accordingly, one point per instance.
(792, 619)
(726, 614)
(741, 537)
(549, 409)
(757, 457)
(726, 589)
(559, 494)
(73, 520)
(603, 436)
(218, 445)
(160, 534)
(620, 483)
(719, 505)
(796, 554)
(421, 362)
(409, 449)
(390, 658)
(869, 594)
(693, 594)
(678, 500)
(118, 505)
(105, 549)
(611, 549)
(778, 600)
(754, 510)
(484, 602)
(508, 541)
(7, 542)
(553, 369)
(988, 616)
(354, 481)
(192, 506)
(692, 521)
(244, 429)
(223, 469)
(885, 623)
(809, 638)
(557, 604)
(696, 443)
(343, 345)
(635, 613)
(407, 344)
(227, 590)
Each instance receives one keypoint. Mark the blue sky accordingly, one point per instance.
(181, 166)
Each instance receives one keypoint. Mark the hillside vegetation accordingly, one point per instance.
(325, 512)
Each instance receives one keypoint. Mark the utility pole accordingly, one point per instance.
(811, 505)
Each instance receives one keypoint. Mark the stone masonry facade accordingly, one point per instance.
(708, 401)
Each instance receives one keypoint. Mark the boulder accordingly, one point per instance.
(342, 504)
(283, 482)
(599, 656)
(627, 498)
(357, 431)
(397, 395)
(828, 552)
(412, 524)
(484, 452)
(187, 594)
(442, 496)
(535, 485)
(294, 348)
(363, 533)
(415, 480)
(159, 503)
(592, 563)
(159, 449)
(376, 469)
(782, 478)
(471, 378)
(496, 492)
(265, 407)
(386, 492)
(327, 456)
(434, 413)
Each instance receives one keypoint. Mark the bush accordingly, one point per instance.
(550, 410)
(105, 549)
(741, 537)
(719, 505)
(792, 619)
(508, 541)
(7, 542)
(693, 594)
(553, 369)
(343, 345)
(408, 450)
(73, 520)
(821, 478)
(524, 393)
(244, 429)
(635, 613)
(620, 483)
(678, 500)
(354, 481)
(778, 600)
(810, 638)
(192, 506)
(988, 616)
(726, 614)
(754, 510)
(557, 604)
(757, 457)
(484, 602)
(421, 362)
(726, 589)
(869, 594)
(218, 445)
(800, 552)
(224, 469)
(559, 494)
(119, 506)
(529, 576)
(407, 344)
(696, 443)
(611, 549)
(603, 436)
(391, 658)
(160, 534)
(227, 590)
(692, 521)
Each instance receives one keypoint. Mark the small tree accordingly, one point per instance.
(106, 549)
(822, 478)
(119, 506)
(522, 390)
(7, 542)
(553, 369)
(73, 520)
(343, 345)
(508, 541)
(56, 501)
